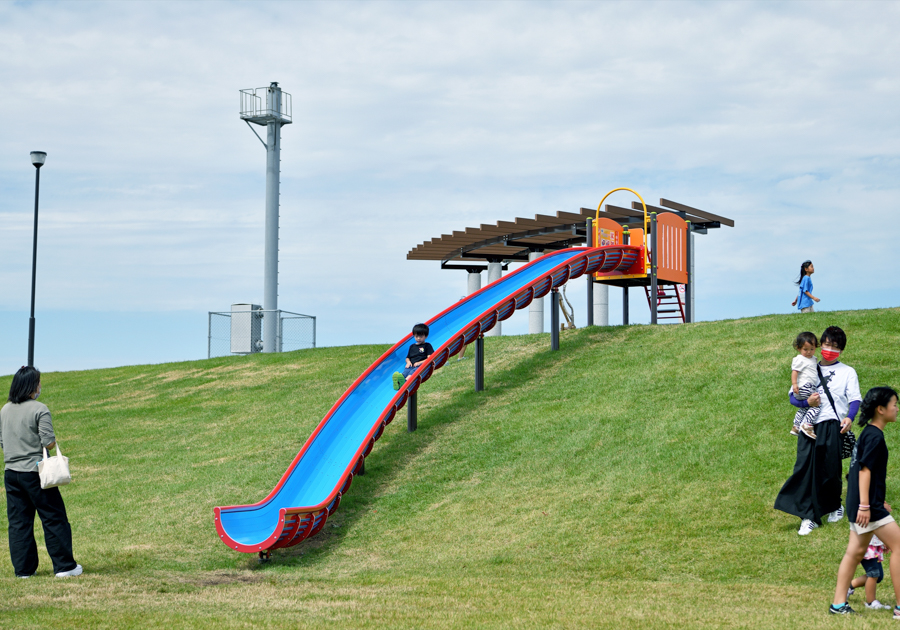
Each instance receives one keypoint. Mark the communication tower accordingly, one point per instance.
(269, 107)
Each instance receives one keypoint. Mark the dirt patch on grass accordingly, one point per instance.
(218, 578)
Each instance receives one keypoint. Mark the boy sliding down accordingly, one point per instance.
(418, 353)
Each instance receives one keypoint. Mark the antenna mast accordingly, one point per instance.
(273, 114)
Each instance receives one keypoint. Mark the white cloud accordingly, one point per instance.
(415, 119)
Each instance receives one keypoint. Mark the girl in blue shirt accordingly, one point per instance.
(805, 300)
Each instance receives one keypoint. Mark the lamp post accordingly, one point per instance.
(37, 158)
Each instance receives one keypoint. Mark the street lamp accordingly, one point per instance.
(37, 158)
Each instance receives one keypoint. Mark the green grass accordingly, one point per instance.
(625, 481)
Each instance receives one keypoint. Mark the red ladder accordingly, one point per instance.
(667, 296)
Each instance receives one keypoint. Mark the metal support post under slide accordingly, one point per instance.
(654, 285)
(590, 277)
(412, 413)
(479, 364)
(554, 320)
(689, 286)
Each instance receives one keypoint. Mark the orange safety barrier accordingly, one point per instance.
(671, 240)
(608, 232)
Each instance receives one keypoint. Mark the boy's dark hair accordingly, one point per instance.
(875, 397)
(834, 336)
(420, 329)
(805, 338)
(24, 384)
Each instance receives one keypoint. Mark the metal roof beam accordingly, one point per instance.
(700, 213)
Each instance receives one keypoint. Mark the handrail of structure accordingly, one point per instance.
(646, 218)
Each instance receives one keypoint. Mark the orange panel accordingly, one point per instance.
(671, 258)
(636, 237)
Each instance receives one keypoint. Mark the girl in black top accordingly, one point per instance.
(866, 508)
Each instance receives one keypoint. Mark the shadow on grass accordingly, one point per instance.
(393, 456)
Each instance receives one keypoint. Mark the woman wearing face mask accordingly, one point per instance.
(25, 430)
(814, 488)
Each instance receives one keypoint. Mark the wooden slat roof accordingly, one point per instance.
(511, 240)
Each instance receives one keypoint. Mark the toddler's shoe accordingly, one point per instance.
(876, 605)
(795, 431)
(398, 381)
(807, 430)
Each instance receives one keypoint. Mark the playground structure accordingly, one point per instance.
(492, 247)
(665, 257)
(312, 487)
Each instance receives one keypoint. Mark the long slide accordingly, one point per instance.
(311, 488)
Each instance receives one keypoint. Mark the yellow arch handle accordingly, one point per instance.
(646, 219)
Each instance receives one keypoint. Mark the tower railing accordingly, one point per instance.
(259, 106)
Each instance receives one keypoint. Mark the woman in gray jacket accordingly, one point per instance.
(25, 430)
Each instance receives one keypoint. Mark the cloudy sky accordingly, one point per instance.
(416, 119)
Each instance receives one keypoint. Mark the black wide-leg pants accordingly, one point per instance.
(24, 497)
(815, 487)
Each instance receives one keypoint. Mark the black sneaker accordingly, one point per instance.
(841, 610)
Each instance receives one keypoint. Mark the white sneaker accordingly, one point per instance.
(806, 527)
(837, 515)
(877, 605)
(71, 573)
(850, 592)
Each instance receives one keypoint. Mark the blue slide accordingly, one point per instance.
(311, 488)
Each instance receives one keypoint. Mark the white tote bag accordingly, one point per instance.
(54, 471)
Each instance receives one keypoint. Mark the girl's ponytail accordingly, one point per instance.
(875, 398)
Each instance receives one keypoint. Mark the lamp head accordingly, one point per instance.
(38, 158)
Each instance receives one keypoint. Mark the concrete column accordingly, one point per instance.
(495, 270)
(536, 309)
(474, 283)
(601, 304)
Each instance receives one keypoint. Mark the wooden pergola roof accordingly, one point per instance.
(513, 240)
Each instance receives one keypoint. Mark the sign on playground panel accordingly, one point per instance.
(607, 237)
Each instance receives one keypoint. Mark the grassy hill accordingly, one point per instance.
(625, 481)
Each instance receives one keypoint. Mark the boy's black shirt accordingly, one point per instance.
(419, 352)
(870, 451)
